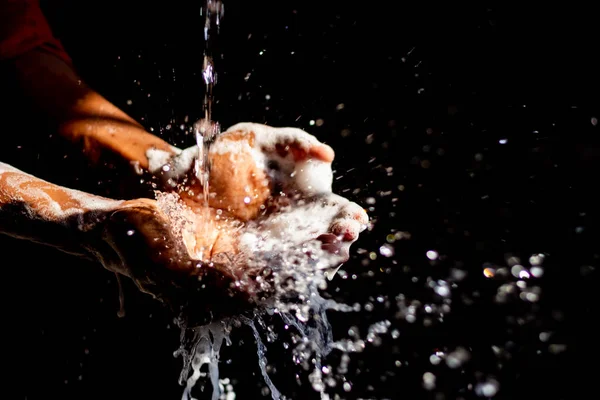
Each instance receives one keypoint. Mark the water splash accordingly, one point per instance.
(297, 279)
(205, 131)
(201, 346)
(262, 360)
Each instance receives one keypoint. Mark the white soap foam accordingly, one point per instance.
(157, 159)
(309, 177)
(7, 168)
(313, 177)
(269, 136)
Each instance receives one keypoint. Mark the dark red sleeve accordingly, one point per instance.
(23, 27)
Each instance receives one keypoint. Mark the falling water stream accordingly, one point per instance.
(206, 130)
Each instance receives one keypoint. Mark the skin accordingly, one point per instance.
(136, 238)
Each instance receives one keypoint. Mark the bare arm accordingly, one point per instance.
(80, 114)
(131, 238)
(36, 210)
(35, 60)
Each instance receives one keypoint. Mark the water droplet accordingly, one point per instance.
(489, 272)
(537, 272)
(442, 288)
(432, 255)
(536, 259)
(516, 270)
(557, 348)
(429, 381)
(457, 358)
(487, 389)
(434, 359)
(386, 250)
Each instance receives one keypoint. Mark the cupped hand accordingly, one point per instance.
(137, 239)
(250, 165)
(144, 240)
(268, 183)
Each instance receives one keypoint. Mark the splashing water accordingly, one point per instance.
(206, 132)
(297, 277)
(205, 343)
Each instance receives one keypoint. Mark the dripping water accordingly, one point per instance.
(121, 312)
(313, 339)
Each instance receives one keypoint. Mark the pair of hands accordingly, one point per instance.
(266, 184)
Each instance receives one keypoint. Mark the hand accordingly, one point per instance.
(275, 182)
(250, 165)
(138, 240)
(287, 178)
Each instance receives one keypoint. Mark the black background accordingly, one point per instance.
(428, 93)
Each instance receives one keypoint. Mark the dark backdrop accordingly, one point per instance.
(471, 127)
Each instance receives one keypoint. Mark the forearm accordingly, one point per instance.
(36, 210)
(80, 114)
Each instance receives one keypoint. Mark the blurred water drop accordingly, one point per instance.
(429, 381)
(386, 250)
(488, 388)
(457, 358)
(537, 272)
(434, 359)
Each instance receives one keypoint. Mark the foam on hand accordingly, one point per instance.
(310, 176)
(313, 177)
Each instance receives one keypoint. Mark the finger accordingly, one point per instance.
(302, 151)
(347, 229)
(330, 243)
(322, 152)
(355, 212)
(328, 238)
